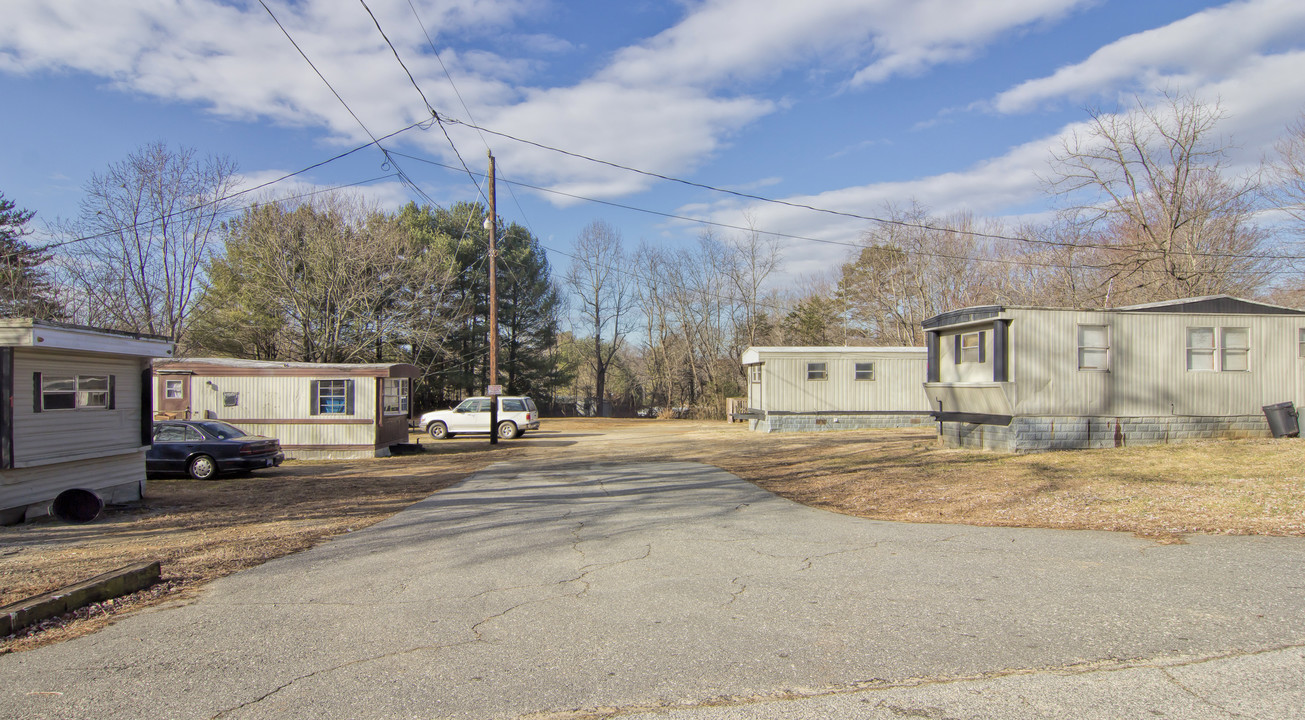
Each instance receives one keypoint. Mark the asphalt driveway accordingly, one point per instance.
(675, 590)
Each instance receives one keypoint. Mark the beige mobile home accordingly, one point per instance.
(73, 414)
(316, 410)
(833, 388)
(1033, 378)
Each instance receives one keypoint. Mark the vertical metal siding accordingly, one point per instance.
(898, 385)
(270, 397)
(1148, 373)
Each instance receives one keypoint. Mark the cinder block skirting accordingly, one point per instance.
(1037, 434)
(815, 422)
(123, 581)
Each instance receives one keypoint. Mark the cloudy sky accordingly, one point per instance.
(840, 104)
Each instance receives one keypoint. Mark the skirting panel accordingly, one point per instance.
(836, 421)
(1037, 434)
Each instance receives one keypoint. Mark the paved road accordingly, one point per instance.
(676, 591)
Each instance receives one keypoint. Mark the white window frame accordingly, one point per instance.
(173, 390)
(1226, 350)
(817, 371)
(863, 371)
(972, 352)
(331, 390)
(1300, 343)
(394, 396)
(1209, 351)
(754, 373)
(1084, 348)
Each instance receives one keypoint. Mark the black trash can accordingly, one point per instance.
(1282, 420)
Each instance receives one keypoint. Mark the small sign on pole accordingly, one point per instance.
(495, 390)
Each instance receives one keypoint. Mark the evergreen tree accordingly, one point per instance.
(25, 286)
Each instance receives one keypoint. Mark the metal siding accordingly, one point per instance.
(1148, 366)
(271, 397)
(950, 371)
(51, 436)
(898, 384)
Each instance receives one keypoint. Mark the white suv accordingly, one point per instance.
(515, 416)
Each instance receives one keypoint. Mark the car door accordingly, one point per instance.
(467, 417)
(170, 448)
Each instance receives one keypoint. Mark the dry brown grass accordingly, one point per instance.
(202, 531)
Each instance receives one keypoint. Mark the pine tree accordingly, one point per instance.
(25, 286)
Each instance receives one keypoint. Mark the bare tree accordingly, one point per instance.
(1152, 187)
(600, 287)
(145, 228)
(1289, 172)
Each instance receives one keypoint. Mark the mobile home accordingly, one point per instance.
(316, 410)
(1036, 378)
(832, 388)
(74, 414)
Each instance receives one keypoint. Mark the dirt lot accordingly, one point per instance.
(204, 530)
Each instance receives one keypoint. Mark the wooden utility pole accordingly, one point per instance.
(495, 390)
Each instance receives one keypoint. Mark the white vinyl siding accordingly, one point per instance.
(55, 436)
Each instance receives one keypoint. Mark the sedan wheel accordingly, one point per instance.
(438, 430)
(203, 467)
(507, 430)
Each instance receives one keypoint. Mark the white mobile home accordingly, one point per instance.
(1034, 378)
(74, 414)
(316, 410)
(832, 388)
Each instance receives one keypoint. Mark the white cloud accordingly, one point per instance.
(1199, 49)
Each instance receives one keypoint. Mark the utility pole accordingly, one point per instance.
(495, 390)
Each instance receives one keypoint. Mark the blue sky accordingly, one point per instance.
(842, 104)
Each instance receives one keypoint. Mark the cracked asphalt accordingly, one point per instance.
(677, 591)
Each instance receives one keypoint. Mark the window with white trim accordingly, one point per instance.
(172, 389)
(1094, 347)
(972, 347)
(394, 396)
(1235, 349)
(331, 397)
(817, 371)
(865, 371)
(1300, 343)
(1219, 349)
(754, 373)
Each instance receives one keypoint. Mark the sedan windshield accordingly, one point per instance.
(222, 431)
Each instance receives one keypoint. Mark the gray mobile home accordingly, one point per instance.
(1034, 378)
(74, 413)
(316, 410)
(832, 388)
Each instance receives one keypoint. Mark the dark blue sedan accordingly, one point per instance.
(204, 448)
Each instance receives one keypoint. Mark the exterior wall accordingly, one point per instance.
(1036, 434)
(1148, 373)
(280, 406)
(60, 436)
(951, 371)
(897, 387)
(26, 493)
(808, 422)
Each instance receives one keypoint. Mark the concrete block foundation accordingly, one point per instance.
(1039, 434)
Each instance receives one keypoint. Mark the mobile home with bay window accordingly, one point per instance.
(316, 410)
(1035, 378)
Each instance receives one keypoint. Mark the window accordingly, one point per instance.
(972, 347)
(1236, 342)
(1300, 343)
(1200, 349)
(331, 397)
(754, 371)
(817, 371)
(230, 399)
(394, 396)
(172, 389)
(865, 371)
(68, 392)
(1093, 347)
(473, 405)
(513, 405)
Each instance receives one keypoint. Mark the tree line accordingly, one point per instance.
(1148, 209)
